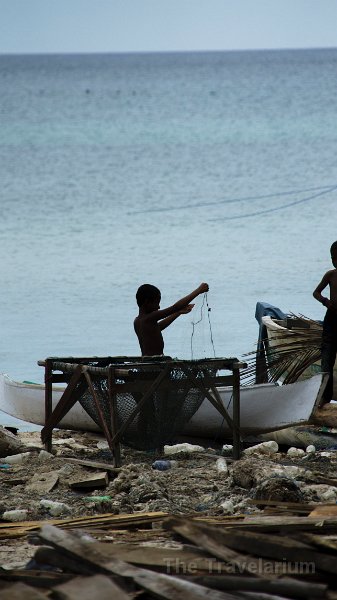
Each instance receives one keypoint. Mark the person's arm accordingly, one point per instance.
(168, 320)
(317, 294)
(158, 315)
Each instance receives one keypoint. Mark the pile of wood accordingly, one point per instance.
(279, 556)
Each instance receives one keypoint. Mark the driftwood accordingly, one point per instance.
(225, 559)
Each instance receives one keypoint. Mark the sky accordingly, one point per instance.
(62, 26)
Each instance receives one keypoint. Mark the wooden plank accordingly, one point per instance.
(275, 547)
(34, 577)
(109, 520)
(92, 482)
(93, 464)
(21, 591)
(204, 538)
(164, 586)
(283, 587)
(42, 483)
(172, 588)
(176, 561)
(87, 588)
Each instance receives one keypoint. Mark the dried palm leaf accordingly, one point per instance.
(286, 355)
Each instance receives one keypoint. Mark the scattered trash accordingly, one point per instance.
(227, 450)
(97, 498)
(16, 458)
(15, 515)
(55, 508)
(221, 466)
(43, 455)
(163, 465)
(183, 448)
(227, 507)
(310, 449)
(5, 466)
(295, 452)
(270, 447)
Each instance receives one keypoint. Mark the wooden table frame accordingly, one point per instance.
(79, 376)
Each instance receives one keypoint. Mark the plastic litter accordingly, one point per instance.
(15, 458)
(270, 447)
(295, 452)
(5, 466)
(163, 465)
(15, 515)
(227, 450)
(55, 508)
(97, 498)
(183, 448)
(310, 449)
(221, 466)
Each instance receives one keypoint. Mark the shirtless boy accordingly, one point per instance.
(151, 320)
(329, 338)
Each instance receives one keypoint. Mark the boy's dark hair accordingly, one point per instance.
(333, 249)
(147, 292)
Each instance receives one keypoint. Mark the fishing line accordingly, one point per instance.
(232, 200)
(209, 323)
(276, 208)
(194, 323)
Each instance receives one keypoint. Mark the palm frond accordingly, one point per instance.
(287, 354)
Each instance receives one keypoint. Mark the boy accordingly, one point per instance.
(329, 338)
(151, 320)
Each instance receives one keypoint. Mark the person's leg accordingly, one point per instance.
(329, 347)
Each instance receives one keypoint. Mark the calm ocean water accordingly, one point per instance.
(170, 169)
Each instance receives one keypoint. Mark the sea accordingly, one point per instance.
(164, 168)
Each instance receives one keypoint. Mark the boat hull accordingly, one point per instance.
(263, 408)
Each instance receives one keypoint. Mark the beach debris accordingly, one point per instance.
(97, 498)
(44, 455)
(185, 447)
(278, 488)
(310, 449)
(227, 450)
(295, 452)
(323, 493)
(270, 447)
(16, 458)
(55, 508)
(227, 507)
(221, 466)
(9, 443)
(42, 483)
(164, 465)
(15, 515)
(97, 480)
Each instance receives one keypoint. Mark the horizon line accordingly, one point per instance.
(196, 51)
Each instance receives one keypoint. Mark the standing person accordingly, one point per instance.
(151, 320)
(329, 338)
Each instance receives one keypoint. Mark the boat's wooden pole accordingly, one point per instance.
(113, 412)
(236, 412)
(48, 380)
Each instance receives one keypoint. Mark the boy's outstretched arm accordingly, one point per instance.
(160, 314)
(168, 320)
(317, 293)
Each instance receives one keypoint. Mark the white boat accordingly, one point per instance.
(263, 408)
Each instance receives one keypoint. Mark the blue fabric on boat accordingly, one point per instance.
(263, 309)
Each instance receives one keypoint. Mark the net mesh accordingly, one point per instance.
(164, 413)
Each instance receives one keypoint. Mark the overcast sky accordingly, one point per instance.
(162, 25)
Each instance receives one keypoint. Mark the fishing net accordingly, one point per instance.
(164, 413)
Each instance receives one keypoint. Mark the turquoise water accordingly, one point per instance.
(170, 169)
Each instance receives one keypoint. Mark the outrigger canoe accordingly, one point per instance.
(264, 407)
